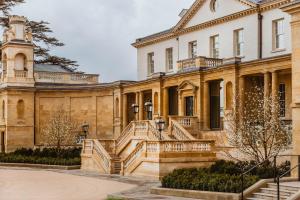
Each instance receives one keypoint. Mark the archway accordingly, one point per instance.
(20, 62)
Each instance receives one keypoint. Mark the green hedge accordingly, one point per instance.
(223, 176)
(65, 157)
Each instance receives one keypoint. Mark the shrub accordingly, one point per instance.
(223, 176)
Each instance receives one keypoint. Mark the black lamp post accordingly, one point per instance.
(148, 107)
(160, 126)
(135, 109)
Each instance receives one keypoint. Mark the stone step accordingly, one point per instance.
(269, 196)
(252, 198)
(274, 191)
(292, 188)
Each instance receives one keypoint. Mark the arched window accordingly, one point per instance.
(229, 96)
(155, 103)
(214, 5)
(3, 109)
(20, 109)
(20, 62)
(117, 107)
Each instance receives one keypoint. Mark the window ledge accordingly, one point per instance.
(278, 50)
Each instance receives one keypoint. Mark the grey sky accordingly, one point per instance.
(98, 33)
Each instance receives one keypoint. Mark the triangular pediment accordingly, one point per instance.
(201, 11)
(187, 85)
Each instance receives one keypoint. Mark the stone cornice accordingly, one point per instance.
(178, 30)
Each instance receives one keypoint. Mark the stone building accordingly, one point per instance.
(190, 73)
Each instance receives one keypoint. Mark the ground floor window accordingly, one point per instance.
(282, 95)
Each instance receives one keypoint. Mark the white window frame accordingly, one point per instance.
(193, 49)
(215, 46)
(169, 59)
(239, 42)
(278, 34)
(150, 63)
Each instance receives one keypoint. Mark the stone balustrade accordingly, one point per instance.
(66, 78)
(21, 74)
(198, 62)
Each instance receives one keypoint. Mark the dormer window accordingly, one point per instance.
(214, 5)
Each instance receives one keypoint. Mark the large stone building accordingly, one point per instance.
(191, 73)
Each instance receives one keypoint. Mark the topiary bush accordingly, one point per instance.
(223, 176)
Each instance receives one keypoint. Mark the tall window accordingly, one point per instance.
(150, 63)
(282, 99)
(239, 42)
(193, 49)
(169, 59)
(214, 43)
(278, 34)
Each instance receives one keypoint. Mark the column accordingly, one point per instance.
(137, 97)
(166, 103)
(141, 105)
(294, 10)
(125, 113)
(275, 85)
(206, 106)
(241, 98)
(267, 84)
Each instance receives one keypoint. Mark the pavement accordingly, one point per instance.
(52, 184)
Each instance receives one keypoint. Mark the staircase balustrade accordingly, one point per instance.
(179, 131)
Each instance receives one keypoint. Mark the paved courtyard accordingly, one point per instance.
(19, 184)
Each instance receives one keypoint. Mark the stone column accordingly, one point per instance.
(125, 113)
(166, 103)
(267, 84)
(141, 105)
(275, 85)
(294, 10)
(241, 97)
(206, 106)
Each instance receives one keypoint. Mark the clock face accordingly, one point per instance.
(214, 5)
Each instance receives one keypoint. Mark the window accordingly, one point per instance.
(239, 42)
(214, 40)
(193, 49)
(282, 99)
(169, 59)
(150, 63)
(278, 34)
(214, 5)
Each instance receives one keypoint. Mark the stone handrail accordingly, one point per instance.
(176, 129)
(98, 152)
(198, 62)
(153, 149)
(72, 78)
(185, 121)
(20, 73)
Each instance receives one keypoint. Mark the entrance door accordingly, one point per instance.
(173, 101)
(2, 142)
(189, 106)
(215, 105)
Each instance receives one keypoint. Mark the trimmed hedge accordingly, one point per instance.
(223, 176)
(49, 156)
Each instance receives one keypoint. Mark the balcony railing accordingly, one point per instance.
(20, 74)
(66, 78)
(198, 62)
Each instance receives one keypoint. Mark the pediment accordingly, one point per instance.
(201, 11)
(187, 85)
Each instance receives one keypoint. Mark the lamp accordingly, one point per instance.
(148, 107)
(83, 135)
(135, 109)
(160, 126)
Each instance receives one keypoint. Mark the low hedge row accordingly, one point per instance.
(223, 176)
(64, 157)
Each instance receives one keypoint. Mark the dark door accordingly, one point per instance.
(2, 142)
(189, 106)
(173, 101)
(215, 105)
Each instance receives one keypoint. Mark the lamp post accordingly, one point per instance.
(135, 109)
(148, 106)
(160, 126)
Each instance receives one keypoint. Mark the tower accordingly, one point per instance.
(17, 54)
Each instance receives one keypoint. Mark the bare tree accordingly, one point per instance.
(60, 130)
(255, 129)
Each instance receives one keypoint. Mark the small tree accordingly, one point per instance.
(59, 130)
(256, 130)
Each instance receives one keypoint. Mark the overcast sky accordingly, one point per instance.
(98, 33)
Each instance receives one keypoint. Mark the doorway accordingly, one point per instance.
(173, 101)
(2, 142)
(215, 105)
(189, 106)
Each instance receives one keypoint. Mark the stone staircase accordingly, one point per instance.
(116, 163)
(287, 190)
